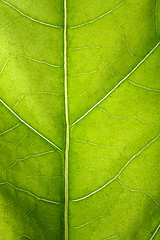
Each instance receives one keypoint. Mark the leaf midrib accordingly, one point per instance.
(67, 122)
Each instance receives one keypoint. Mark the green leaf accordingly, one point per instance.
(79, 126)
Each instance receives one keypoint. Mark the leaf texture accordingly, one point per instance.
(79, 125)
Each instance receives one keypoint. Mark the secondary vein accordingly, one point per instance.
(118, 84)
(33, 129)
(30, 18)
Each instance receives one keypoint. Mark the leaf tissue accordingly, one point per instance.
(79, 120)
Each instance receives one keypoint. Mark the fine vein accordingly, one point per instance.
(43, 62)
(118, 84)
(10, 129)
(30, 126)
(67, 122)
(147, 88)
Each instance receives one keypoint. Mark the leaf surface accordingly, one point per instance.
(79, 126)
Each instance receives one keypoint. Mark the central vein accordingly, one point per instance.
(67, 122)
